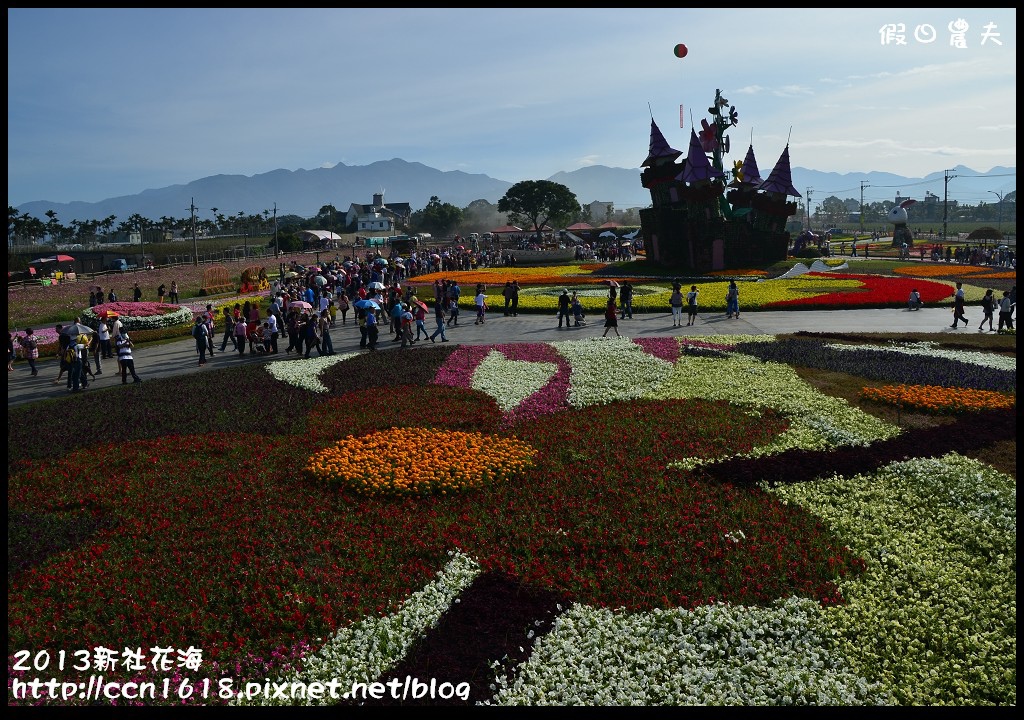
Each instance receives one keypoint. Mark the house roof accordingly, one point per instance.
(507, 229)
(580, 226)
(608, 225)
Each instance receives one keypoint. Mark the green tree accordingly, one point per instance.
(437, 218)
(538, 203)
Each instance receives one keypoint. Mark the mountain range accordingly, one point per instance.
(303, 192)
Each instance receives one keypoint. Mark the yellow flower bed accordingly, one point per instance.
(940, 400)
(391, 462)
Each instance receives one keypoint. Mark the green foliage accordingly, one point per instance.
(539, 203)
(437, 218)
(288, 242)
(809, 252)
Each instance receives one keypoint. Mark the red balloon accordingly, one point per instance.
(681, 50)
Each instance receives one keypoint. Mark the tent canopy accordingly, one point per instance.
(507, 229)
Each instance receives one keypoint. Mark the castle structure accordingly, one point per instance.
(700, 220)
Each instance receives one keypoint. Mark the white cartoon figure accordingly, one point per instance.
(902, 238)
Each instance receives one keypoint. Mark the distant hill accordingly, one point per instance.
(304, 192)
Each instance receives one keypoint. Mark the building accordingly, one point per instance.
(378, 217)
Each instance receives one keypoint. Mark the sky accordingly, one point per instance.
(103, 103)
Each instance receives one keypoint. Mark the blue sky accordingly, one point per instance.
(105, 102)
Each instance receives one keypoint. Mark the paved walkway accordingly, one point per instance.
(179, 357)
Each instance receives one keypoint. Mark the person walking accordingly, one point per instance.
(136, 293)
(229, 330)
(103, 335)
(421, 322)
(73, 356)
(241, 334)
(343, 306)
(125, 359)
(63, 340)
(439, 319)
(506, 293)
(161, 292)
(988, 306)
(611, 321)
(958, 306)
(732, 300)
(453, 311)
(372, 332)
(515, 298)
(406, 326)
(86, 343)
(675, 302)
(691, 305)
(564, 302)
(174, 292)
(201, 334)
(11, 354)
(325, 333)
(626, 298)
(481, 305)
(1006, 311)
(30, 343)
(96, 349)
(312, 336)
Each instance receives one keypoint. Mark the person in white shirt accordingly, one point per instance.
(481, 305)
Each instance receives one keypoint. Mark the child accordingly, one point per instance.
(453, 307)
(691, 304)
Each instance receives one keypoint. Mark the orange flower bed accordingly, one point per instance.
(938, 269)
(1003, 275)
(391, 462)
(940, 400)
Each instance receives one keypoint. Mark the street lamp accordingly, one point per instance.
(1000, 196)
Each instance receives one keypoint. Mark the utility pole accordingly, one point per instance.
(809, 207)
(195, 246)
(945, 203)
(142, 239)
(1000, 196)
(276, 251)
(863, 184)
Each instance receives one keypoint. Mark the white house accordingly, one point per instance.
(378, 216)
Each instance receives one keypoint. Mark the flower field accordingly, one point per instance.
(666, 521)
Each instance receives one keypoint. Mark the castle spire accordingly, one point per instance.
(660, 152)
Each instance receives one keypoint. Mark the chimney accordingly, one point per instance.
(378, 200)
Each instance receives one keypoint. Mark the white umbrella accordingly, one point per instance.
(376, 286)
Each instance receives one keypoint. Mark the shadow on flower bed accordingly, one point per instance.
(968, 433)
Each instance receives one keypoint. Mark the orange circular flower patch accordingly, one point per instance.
(419, 461)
